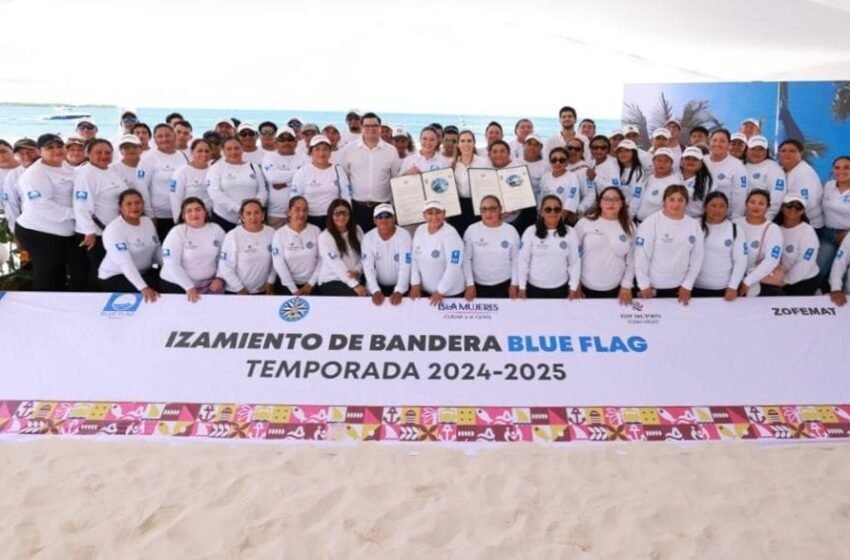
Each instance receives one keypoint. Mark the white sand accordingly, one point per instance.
(121, 500)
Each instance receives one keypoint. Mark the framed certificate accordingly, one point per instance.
(411, 191)
(440, 185)
(512, 186)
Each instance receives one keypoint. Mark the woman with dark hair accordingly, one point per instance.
(606, 241)
(697, 179)
(836, 212)
(190, 180)
(725, 261)
(132, 250)
(157, 167)
(764, 247)
(669, 249)
(245, 263)
(295, 251)
(490, 249)
(561, 182)
(466, 158)
(738, 146)
(428, 158)
(648, 199)
(798, 263)
(632, 174)
(190, 253)
(548, 265)
(763, 173)
(576, 165)
(232, 181)
(728, 172)
(340, 252)
(604, 172)
(320, 182)
(437, 269)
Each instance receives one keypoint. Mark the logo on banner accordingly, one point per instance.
(122, 305)
(294, 309)
(640, 316)
(468, 310)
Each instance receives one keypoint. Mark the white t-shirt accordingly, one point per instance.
(725, 261)
(230, 184)
(157, 169)
(567, 188)
(804, 180)
(10, 194)
(246, 259)
(800, 251)
(731, 178)
(490, 254)
(840, 267)
(335, 266)
(190, 255)
(768, 176)
(696, 208)
(648, 199)
(279, 171)
(96, 193)
(462, 174)
(255, 156)
(188, 182)
(387, 262)
(550, 262)
(629, 181)
(764, 250)
(668, 253)
(46, 199)
(295, 256)
(438, 260)
(321, 187)
(836, 207)
(437, 161)
(607, 254)
(130, 250)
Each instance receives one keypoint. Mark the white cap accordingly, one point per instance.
(246, 126)
(75, 139)
(534, 137)
(330, 125)
(429, 204)
(616, 132)
(223, 121)
(285, 130)
(319, 139)
(630, 129)
(692, 151)
(663, 132)
(355, 112)
(757, 142)
(752, 121)
(627, 145)
(673, 121)
(383, 207)
(129, 139)
(87, 120)
(663, 152)
(738, 136)
(399, 132)
(307, 127)
(794, 197)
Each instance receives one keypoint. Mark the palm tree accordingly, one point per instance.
(787, 127)
(841, 102)
(696, 112)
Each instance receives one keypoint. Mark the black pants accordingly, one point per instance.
(802, 288)
(282, 290)
(703, 292)
(465, 219)
(167, 287)
(495, 291)
(120, 284)
(600, 294)
(667, 292)
(319, 221)
(226, 225)
(337, 288)
(94, 257)
(163, 226)
(363, 215)
(767, 290)
(527, 217)
(58, 263)
(560, 292)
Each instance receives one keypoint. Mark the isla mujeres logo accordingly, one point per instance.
(122, 305)
(294, 309)
(467, 310)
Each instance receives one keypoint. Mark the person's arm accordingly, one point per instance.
(216, 191)
(588, 196)
(739, 260)
(523, 264)
(515, 244)
(468, 246)
(333, 260)
(279, 261)
(404, 260)
(637, 197)
(367, 258)
(144, 178)
(628, 279)
(776, 184)
(176, 194)
(453, 248)
(172, 258)
(38, 191)
(118, 247)
(11, 199)
(573, 260)
(227, 263)
(277, 175)
(772, 254)
(262, 188)
(344, 184)
(696, 257)
(83, 204)
(808, 250)
(644, 245)
(840, 266)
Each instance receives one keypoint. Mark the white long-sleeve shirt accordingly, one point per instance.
(130, 250)
(567, 188)
(10, 195)
(550, 262)
(134, 178)
(246, 259)
(320, 187)
(295, 256)
(437, 260)
(230, 184)
(157, 168)
(725, 261)
(370, 169)
(627, 185)
(187, 182)
(804, 180)
(46, 199)
(836, 207)
(96, 193)
(668, 253)
(462, 174)
(607, 254)
(333, 266)
(840, 267)
(649, 198)
(696, 208)
(387, 262)
(279, 171)
(536, 171)
(799, 257)
(437, 161)
(490, 254)
(769, 176)
(731, 178)
(764, 250)
(190, 255)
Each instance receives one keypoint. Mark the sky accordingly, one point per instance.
(441, 56)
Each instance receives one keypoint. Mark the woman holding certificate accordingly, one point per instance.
(490, 248)
(428, 158)
(437, 269)
(548, 265)
(466, 158)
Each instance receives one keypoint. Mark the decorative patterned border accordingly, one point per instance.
(423, 423)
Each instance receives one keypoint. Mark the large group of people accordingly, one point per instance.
(299, 209)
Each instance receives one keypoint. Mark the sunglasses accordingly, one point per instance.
(267, 133)
(573, 149)
(383, 216)
(85, 127)
(551, 209)
(794, 206)
(247, 133)
(286, 138)
(558, 160)
(449, 140)
(293, 124)
(340, 213)
(129, 121)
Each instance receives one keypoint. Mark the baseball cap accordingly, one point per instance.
(383, 208)
(285, 130)
(757, 142)
(330, 125)
(75, 139)
(223, 121)
(246, 126)
(630, 129)
(663, 132)
(352, 114)
(616, 132)
(738, 136)
(752, 121)
(319, 139)
(46, 139)
(627, 145)
(86, 120)
(310, 126)
(673, 121)
(294, 122)
(433, 204)
(662, 152)
(129, 139)
(24, 144)
(794, 197)
(399, 132)
(535, 138)
(692, 151)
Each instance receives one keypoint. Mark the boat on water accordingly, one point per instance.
(64, 114)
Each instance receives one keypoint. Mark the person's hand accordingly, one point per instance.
(574, 295)
(413, 171)
(268, 289)
(469, 293)
(730, 294)
(743, 289)
(684, 295)
(839, 298)
(415, 291)
(591, 173)
(193, 294)
(436, 298)
(354, 275)
(88, 241)
(304, 290)
(395, 298)
(839, 237)
(625, 296)
(522, 294)
(378, 297)
(150, 294)
(647, 293)
(361, 290)
(513, 291)
(279, 186)
(217, 285)
(243, 292)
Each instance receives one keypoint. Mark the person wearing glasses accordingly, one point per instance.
(560, 182)
(86, 129)
(230, 182)
(295, 251)
(247, 135)
(725, 261)
(341, 268)
(157, 167)
(437, 267)
(387, 257)
(548, 263)
(647, 199)
(320, 181)
(449, 142)
(190, 180)
(532, 149)
(490, 249)
(606, 237)
(602, 172)
(279, 168)
(245, 263)
(669, 249)
(800, 242)
(268, 133)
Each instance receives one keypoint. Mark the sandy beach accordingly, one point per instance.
(75, 499)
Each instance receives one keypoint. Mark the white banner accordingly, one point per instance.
(346, 351)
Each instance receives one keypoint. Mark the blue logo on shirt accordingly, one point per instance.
(728, 242)
(780, 183)
(637, 192)
(655, 192)
(396, 257)
(408, 258)
(140, 174)
(332, 255)
(505, 244)
(172, 186)
(755, 244)
(81, 195)
(615, 182)
(121, 246)
(721, 176)
(789, 248)
(276, 252)
(804, 193)
(562, 245)
(33, 195)
(455, 257)
(639, 241)
(560, 190)
(309, 244)
(623, 237)
(776, 251)
(807, 256)
(756, 175)
(216, 243)
(166, 253)
(435, 254)
(692, 239)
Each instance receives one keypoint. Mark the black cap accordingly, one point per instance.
(25, 144)
(294, 123)
(46, 139)
(212, 135)
(451, 129)
(267, 123)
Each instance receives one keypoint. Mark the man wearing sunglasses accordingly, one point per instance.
(450, 136)
(386, 257)
(86, 128)
(268, 131)
(248, 139)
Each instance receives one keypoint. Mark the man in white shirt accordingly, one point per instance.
(354, 122)
(370, 164)
(567, 116)
(248, 139)
(386, 257)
